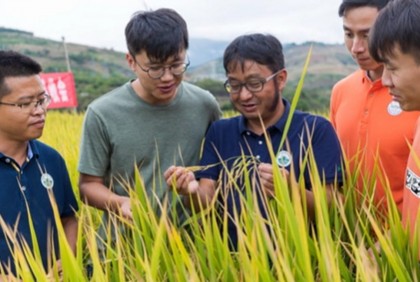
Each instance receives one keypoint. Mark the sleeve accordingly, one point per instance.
(217, 112)
(327, 152)
(95, 146)
(69, 205)
(213, 107)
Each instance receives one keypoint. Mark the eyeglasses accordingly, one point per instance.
(252, 85)
(28, 107)
(156, 72)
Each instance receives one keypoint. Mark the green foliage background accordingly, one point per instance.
(98, 71)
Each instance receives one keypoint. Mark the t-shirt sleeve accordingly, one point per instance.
(94, 147)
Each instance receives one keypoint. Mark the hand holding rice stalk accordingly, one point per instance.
(182, 179)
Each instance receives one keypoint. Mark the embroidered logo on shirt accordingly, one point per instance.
(283, 158)
(412, 182)
(394, 108)
(47, 181)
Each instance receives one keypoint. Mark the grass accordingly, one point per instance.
(286, 247)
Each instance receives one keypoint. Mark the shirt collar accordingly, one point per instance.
(30, 152)
(32, 149)
(366, 79)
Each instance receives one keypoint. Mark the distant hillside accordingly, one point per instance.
(50, 54)
(99, 70)
(326, 59)
(329, 63)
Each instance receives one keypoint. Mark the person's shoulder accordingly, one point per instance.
(310, 124)
(227, 122)
(44, 149)
(196, 91)
(188, 86)
(41, 146)
(198, 95)
(225, 128)
(310, 119)
(104, 100)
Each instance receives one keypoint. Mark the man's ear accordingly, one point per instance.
(131, 61)
(281, 78)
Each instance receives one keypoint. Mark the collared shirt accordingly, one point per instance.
(24, 192)
(229, 139)
(229, 143)
(374, 133)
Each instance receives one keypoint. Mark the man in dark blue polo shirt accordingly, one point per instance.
(256, 75)
(32, 174)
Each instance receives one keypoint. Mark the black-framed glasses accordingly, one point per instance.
(156, 72)
(253, 85)
(29, 106)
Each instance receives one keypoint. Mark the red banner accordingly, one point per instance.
(61, 87)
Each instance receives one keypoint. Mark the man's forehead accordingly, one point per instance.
(176, 57)
(29, 86)
(244, 65)
(390, 54)
(358, 9)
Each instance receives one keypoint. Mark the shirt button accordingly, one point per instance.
(258, 157)
(7, 160)
(23, 188)
(248, 133)
(260, 142)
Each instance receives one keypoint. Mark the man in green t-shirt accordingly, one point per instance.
(148, 124)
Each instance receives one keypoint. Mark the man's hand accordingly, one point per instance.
(181, 179)
(57, 269)
(125, 207)
(265, 171)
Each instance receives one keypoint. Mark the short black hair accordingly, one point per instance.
(161, 34)
(14, 64)
(350, 4)
(398, 25)
(264, 49)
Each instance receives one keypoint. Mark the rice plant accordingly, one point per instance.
(346, 241)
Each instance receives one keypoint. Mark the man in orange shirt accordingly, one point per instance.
(373, 130)
(396, 42)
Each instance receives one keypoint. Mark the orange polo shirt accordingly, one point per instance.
(411, 206)
(373, 131)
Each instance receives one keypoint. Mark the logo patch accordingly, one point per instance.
(394, 108)
(47, 181)
(283, 158)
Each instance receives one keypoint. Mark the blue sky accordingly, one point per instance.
(101, 23)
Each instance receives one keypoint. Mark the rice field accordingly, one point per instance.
(340, 247)
(348, 241)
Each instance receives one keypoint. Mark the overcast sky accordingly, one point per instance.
(101, 23)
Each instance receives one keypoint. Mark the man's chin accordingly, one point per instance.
(35, 135)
